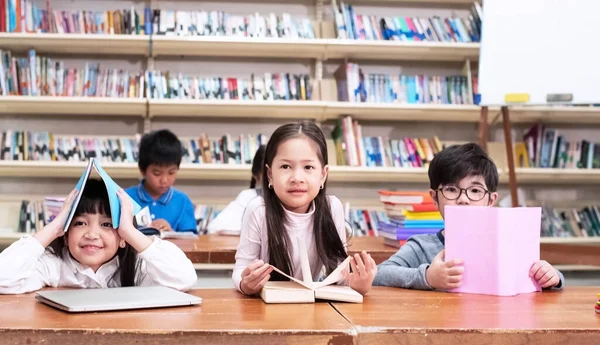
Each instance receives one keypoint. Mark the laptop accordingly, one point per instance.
(120, 298)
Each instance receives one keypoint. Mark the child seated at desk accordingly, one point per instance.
(295, 204)
(160, 155)
(91, 254)
(230, 219)
(458, 175)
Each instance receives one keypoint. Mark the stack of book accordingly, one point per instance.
(409, 214)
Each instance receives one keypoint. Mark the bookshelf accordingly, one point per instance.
(193, 116)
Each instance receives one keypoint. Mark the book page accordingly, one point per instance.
(304, 262)
(308, 286)
(335, 276)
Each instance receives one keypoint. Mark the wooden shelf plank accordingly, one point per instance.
(49, 105)
(401, 51)
(557, 176)
(555, 114)
(214, 172)
(403, 112)
(76, 43)
(571, 240)
(237, 108)
(237, 47)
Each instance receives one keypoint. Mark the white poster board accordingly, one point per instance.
(540, 52)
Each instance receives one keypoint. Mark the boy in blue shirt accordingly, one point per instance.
(458, 175)
(160, 155)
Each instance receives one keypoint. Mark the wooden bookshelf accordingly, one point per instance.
(76, 43)
(417, 2)
(401, 50)
(557, 176)
(238, 47)
(236, 108)
(403, 112)
(555, 114)
(81, 106)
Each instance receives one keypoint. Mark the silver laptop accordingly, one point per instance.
(136, 297)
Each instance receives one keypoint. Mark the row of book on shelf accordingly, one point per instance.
(37, 75)
(27, 17)
(403, 214)
(545, 147)
(350, 25)
(353, 149)
(355, 86)
(18, 145)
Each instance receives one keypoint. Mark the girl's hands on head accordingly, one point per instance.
(56, 228)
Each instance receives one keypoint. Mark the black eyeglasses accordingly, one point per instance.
(474, 193)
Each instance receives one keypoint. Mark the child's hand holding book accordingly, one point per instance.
(444, 275)
(544, 274)
(255, 276)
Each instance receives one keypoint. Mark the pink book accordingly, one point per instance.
(498, 246)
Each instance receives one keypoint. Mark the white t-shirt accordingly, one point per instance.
(254, 238)
(230, 219)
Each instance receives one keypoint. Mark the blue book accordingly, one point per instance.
(111, 188)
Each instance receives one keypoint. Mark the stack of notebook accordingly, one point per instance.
(409, 214)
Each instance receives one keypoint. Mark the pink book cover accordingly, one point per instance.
(498, 246)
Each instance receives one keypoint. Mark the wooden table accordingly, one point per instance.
(214, 249)
(225, 317)
(397, 316)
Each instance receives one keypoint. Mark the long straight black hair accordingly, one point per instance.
(258, 165)
(94, 199)
(329, 245)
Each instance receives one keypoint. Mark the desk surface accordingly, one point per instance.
(225, 316)
(394, 316)
(215, 249)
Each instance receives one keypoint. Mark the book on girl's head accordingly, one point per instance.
(306, 290)
(498, 247)
(111, 188)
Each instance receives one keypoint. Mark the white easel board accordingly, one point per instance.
(540, 52)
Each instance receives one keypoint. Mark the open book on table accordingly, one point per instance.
(111, 188)
(306, 290)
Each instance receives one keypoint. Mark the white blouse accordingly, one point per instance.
(230, 219)
(26, 266)
(254, 238)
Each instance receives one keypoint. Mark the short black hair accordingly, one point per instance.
(161, 147)
(456, 162)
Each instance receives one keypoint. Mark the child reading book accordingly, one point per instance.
(295, 204)
(461, 175)
(92, 253)
(229, 221)
(170, 209)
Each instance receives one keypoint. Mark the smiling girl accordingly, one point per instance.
(295, 204)
(92, 254)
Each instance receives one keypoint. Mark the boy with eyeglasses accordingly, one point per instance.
(458, 175)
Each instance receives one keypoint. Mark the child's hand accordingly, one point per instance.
(161, 225)
(363, 273)
(126, 219)
(544, 274)
(56, 228)
(255, 276)
(444, 275)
